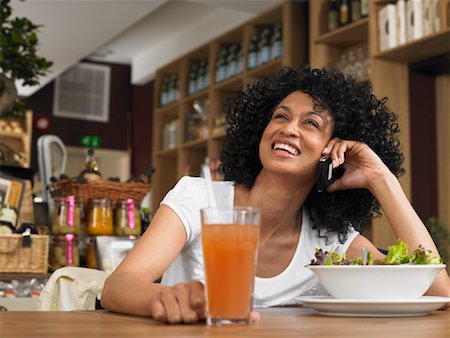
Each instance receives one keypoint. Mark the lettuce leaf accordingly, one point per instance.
(422, 256)
(397, 254)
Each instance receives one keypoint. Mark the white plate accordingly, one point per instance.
(329, 306)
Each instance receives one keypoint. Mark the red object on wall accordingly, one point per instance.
(41, 123)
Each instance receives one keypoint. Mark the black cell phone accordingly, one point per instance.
(325, 175)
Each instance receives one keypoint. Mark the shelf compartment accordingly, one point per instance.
(172, 152)
(231, 84)
(351, 34)
(267, 69)
(418, 50)
(201, 143)
(198, 95)
(169, 110)
(219, 133)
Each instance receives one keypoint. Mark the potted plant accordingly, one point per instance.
(441, 237)
(18, 60)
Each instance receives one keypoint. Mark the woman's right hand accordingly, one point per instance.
(182, 303)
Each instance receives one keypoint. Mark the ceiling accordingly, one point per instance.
(146, 34)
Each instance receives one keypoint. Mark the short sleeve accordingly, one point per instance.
(186, 199)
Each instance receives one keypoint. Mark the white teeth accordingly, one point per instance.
(286, 147)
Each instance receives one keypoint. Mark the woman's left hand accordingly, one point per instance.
(362, 165)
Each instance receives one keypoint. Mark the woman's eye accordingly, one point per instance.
(280, 116)
(313, 123)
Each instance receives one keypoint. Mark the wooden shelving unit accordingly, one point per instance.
(188, 155)
(389, 76)
(20, 141)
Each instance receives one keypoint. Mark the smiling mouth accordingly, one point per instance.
(287, 148)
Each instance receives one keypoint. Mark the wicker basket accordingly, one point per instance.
(15, 258)
(99, 189)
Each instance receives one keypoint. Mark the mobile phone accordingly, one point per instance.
(325, 175)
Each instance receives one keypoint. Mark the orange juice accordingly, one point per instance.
(230, 260)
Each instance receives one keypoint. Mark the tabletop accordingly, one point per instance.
(275, 322)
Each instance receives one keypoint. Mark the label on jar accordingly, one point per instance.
(69, 248)
(70, 209)
(130, 213)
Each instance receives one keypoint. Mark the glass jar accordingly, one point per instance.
(64, 251)
(91, 256)
(127, 218)
(66, 215)
(100, 217)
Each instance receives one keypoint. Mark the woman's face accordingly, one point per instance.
(295, 137)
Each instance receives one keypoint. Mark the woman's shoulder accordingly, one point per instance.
(195, 189)
(200, 183)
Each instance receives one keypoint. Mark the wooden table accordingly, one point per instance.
(276, 322)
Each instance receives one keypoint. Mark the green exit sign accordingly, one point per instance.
(91, 141)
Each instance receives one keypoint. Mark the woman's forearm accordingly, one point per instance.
(402, 217)
(407, 225)
(129, 293)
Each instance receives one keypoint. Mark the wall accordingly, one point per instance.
(129, 127)
(423, 144)
(142, 127)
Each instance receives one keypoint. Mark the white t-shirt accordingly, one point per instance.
(190, 195)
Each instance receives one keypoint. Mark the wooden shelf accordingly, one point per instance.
(11, 134)
(269, 68)
(202, 93)
(21, 142)
(196, 144)
(22, 276)
(167, 152)
(170, 109)
(351, 34)
(218, 133)
(171, 164)
(420, 49)
(233, 83)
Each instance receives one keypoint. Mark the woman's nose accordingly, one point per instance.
(290, 129)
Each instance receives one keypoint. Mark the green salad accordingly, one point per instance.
(397, 254)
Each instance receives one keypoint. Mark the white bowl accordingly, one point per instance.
(376, 281)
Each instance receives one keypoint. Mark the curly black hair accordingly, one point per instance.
(358, 115)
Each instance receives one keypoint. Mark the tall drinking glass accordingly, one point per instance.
(230, 237)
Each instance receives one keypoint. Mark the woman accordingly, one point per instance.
(278, 130)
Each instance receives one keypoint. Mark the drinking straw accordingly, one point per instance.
(209, 187)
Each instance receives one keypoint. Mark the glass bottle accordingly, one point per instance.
(253, 52)
(8, 215)
(333, 15)
(240, 65)
(177, 88)
(192, 85)
(344, 12)
(164, 91)
(144, 177)
(91, 256)
(277, 42)
(265, 46)
(232, 60)
(173, 88)
(200, 80)
(221, 67)
(205, 74)
(90, 171)
(356, 10)
(364, 8)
